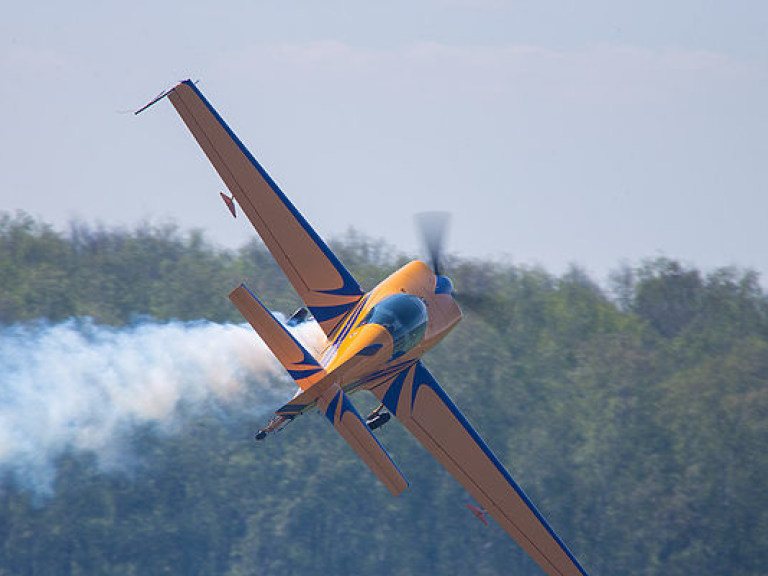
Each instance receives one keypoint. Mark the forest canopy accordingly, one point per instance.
(635, 416)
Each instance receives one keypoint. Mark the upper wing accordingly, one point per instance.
(424, 408)
(322, 281)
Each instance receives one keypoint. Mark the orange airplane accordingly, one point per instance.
(374, 342)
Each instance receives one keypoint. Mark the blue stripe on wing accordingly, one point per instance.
(422, 377)
(348, 407)
(330, 412)
(383, 376)
(308, 365)
(323, 313)
(306, 373)
(392, 397)
(349, 287)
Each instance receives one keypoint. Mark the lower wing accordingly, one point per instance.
(423, 407)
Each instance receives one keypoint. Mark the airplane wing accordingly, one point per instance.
(423, 407)
(321, 280)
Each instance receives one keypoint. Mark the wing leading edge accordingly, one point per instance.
(423, 407)
(321, 280)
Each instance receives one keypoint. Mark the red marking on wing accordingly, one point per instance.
(479, 513)
(230, 202)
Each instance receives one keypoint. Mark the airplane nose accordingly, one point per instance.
(443, 285)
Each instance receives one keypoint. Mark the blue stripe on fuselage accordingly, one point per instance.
(345, 329)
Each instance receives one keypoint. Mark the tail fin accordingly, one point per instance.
(303, 367)
(297, 360)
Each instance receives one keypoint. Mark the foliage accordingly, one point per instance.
(636, 421)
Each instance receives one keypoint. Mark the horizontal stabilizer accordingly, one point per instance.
(348, 422)
(300, 364)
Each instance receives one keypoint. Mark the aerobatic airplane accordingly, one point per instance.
(374, 341)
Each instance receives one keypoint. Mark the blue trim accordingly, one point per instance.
(331, 410)
(350, 287)
(422, 377)
(415, 389)
(370, 350)
(347, 406)
(382, 375)
(392, 395)
(351, 320)
(324, 313)
(348, 323)
(385, 372)
(346, 290)
(308, 360)
(299, 374)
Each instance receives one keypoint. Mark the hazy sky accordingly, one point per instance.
(592, 132)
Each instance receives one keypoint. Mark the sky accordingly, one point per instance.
(595, 133)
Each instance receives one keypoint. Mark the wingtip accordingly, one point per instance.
(155, 100)
(164, 93)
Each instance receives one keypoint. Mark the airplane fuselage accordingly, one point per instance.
(394, 324)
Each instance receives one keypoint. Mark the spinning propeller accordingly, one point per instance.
(433, 227)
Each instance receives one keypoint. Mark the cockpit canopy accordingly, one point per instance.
(405, 318)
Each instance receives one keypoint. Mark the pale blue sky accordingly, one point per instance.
(590, 132)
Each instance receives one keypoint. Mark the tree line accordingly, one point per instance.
(635, 416)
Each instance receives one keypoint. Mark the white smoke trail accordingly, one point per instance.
(83, 387)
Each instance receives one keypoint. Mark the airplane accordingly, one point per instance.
(374, 342)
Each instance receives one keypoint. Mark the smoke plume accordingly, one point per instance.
(78, 386)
